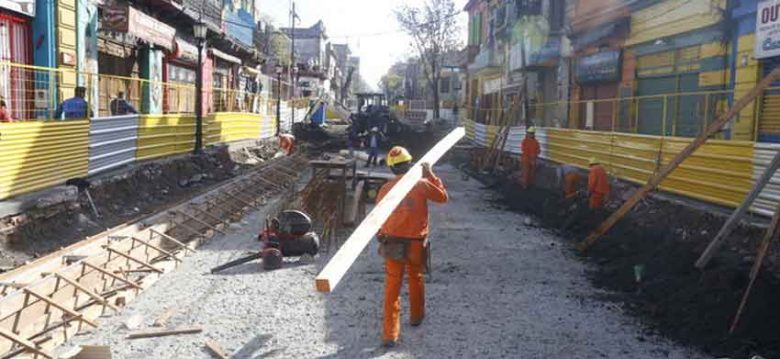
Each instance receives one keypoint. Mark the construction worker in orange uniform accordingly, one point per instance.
(530, 152)
(404, 242)
(287, 143)
(598, 184)
(570, 177)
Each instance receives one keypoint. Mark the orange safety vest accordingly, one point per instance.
(598, 181)
(287, 143)
(410, 218)
(530, 148)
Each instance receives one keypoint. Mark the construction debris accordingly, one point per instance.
(162, 320)
(216, 349)
(151, 333)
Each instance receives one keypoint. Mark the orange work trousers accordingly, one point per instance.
(596, 200)
(529, 172)
(394, 273)
(570, 182)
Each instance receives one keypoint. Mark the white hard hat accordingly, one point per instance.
(374, 129)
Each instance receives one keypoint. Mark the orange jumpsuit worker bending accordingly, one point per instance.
(404, 242)
(570, 177)
(287, 143)
(598, 184)
(530, 152)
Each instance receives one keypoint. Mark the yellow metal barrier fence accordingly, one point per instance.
(37, 155)
(719, 172)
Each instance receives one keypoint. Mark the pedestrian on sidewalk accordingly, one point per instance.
(373, 141)
(120, 106)
(598, 184)
(75, 107)
(5, 116)
(404, 242)
(530, 152)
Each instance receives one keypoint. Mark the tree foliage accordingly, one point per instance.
(434, 32)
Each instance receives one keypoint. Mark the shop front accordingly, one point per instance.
(767, 51)
(598, 77)
(181, 66)
(121, 58)
(16, 47)
(223, 80)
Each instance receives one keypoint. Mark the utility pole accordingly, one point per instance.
(293, 65)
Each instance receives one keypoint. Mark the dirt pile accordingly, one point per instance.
(119, 198)
(662, 240)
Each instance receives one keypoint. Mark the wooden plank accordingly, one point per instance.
(216, 349)
(112, 275)
(769, 237)
(88, 292)
(656, 179)
(94, 352)
(59, 306)
(200, 221)
(132, 259)
(162, 320)
(238, 199)
(334, 271)
(736, 216)
(30, 346)
(208, 214)
(174, 240)
(152, 246)
(150, 333)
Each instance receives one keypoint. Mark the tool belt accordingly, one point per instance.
(397, 248)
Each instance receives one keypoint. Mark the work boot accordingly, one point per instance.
(416, 323)
(389, 344)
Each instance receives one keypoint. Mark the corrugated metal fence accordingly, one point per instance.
(112, 142)
(720, 172)
(37, 155)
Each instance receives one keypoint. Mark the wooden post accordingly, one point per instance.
(59, 306)
(735, 217)
(334, 271)
(30, 346)
(133, 259)
(769, 238)
(655, 180)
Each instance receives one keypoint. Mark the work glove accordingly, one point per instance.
(426, 170)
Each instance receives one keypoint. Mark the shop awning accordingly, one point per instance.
(226, 57)
(184, 51)
(124, 18)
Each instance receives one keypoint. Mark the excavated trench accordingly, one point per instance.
(664, 239)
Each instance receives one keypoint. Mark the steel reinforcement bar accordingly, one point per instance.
(44, 303)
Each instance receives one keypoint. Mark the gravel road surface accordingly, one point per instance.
(500, 289)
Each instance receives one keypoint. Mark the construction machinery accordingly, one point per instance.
(287, 235)
(372, 111)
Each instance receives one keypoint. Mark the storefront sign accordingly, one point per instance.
(123, 18)
(25, 7)
(768, 29)
(600, 67)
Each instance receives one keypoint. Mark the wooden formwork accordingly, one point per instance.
(51, 299)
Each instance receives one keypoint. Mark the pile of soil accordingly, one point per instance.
(673, 298)
(121, 198)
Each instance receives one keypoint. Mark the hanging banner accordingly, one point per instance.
(767, 29)
(123, 18)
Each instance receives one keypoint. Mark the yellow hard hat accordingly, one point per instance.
(531, 129)
(593, 161)
(398, 155)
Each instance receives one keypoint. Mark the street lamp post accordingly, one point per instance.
(294, 80)
(278, 100)
(200, 31)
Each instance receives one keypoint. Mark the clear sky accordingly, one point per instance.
(368, 26)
